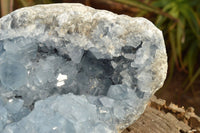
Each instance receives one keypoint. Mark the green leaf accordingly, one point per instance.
(191, 58)
(192, 20)
(160, 21)
(161, 3)
(197, 74)
(173, 45)
(169, 7)
(179, 35)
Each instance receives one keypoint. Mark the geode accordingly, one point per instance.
(68, 68)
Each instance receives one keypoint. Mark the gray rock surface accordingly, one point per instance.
(68, 68)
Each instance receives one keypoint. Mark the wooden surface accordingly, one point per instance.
(162, 118)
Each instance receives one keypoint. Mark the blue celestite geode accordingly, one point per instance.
(68, 68)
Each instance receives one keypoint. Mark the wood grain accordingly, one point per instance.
(162, 118)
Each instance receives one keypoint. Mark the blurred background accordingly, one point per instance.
(180, 22)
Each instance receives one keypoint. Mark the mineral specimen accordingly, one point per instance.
(68, 68)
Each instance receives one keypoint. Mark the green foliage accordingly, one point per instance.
(180, 22)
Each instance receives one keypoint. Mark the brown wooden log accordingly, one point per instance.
(162, 118)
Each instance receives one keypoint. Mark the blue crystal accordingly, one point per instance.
(68, 68)
(13, 75)
(2, 50)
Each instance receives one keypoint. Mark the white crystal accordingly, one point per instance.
(61, 77)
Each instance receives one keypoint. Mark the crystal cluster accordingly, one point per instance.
(68, 68)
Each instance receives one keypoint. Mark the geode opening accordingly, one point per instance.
(77, 69)
(92, 76)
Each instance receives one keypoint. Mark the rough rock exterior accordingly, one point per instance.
(68, 68)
